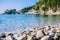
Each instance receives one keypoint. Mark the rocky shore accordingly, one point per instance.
(38, 33)
(41, 12)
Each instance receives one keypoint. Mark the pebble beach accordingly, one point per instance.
(37, 33)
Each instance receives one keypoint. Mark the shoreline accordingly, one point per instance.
(42, 33)
(41, 12)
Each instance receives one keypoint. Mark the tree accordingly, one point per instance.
(12, 11)
(50, 4)
(24, 10)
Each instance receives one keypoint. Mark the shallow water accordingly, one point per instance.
(14, 22)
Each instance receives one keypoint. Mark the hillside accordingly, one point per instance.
(41, 7)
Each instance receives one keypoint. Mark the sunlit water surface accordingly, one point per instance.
(14, 22)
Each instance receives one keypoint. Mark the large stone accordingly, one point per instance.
(39, 34)
(45, 38)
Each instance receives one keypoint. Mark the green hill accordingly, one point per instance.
(44, 5)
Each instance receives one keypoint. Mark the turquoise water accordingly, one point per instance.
(14, 22)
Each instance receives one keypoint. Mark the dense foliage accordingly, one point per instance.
(12, 11)
(41, 4)
(24, 10)
(52, 4)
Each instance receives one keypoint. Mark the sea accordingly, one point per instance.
(13, 22)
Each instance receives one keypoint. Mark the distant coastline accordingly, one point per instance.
(41, 7)
(41, 12)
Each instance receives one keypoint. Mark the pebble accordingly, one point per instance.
(40, 33)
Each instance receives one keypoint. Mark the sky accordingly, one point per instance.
(15, 4)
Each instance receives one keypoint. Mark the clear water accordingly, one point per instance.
(14, 22)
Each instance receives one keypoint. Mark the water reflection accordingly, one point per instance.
(22, 21)
(51, 20)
